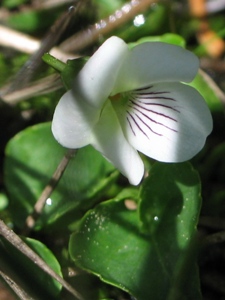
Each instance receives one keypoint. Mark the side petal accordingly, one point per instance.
(155, 62)
(73, 121)
(95, 81)
(168, 122)
(110, 141)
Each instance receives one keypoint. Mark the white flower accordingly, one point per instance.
(124, 100)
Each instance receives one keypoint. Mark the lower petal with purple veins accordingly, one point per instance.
(168, 122)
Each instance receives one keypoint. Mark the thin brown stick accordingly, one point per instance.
(212, 222)
(35, 5)
(220, 94)
(38, 208)
(215, 238)
(216, 65)
(15, 287)
(25, 74)
(214, 281)
(42, 86)
(50, 4)
(16, 241)
(25, 43)
(82, 39)
(87, 37)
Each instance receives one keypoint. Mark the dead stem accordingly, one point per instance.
(87, 37)
(15, 287)
(220, 94)
(49, 4)
(17, 242)
(215, 238)
(42, 86)
(216, 65)
(36, 5)
(25, 74)
(82, 39)
(13, 39)
(212, 222)
(39, 206)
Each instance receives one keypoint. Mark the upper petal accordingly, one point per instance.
(168, 122)
(95, 81)
(154, 62)
(109, 139)
(73, 121)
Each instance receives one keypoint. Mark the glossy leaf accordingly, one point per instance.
(151, 258)
(169, 209)
(31, 159)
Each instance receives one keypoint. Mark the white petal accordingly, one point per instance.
(73, 121)
(95, 81)
(110, 141)
(155, 62)
(168, 122)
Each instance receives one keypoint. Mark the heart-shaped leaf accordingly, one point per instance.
(148, 252)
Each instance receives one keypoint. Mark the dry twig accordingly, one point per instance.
(17, 242)
(38, 208)
(78, 42)
(15, 287)
(90, 35)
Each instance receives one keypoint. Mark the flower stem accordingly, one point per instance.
(52, 61)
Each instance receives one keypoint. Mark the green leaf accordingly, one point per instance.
(169, 38)
(108, 244)
(31, 20)
(32, 279)
(169, 210)
(32, 156)
(171, 187)
(13, 3)
(151, 258)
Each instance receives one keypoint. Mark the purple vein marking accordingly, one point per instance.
(154, 121)
(149, 96)
(149, 93)
(148, 125)
(155, 97)
(136, 123)
(152, 93)
(153, 111)
(135, 104)
(132, 129)
(144, 88)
